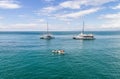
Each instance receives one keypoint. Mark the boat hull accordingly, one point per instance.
(47, 37)
(77, 38)
(84, 37)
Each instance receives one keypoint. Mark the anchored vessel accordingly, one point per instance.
(47, 36)
(83, 36)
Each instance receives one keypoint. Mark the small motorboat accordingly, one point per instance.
(60, 52)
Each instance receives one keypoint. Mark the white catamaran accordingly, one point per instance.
(83, 36)
(47, 36)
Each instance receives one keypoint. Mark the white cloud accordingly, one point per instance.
(9, 4)
(73, 4)
(22, 25)
(19, 26)
(76, 4)
(111, 25)
(48, 0)
(1, 17)
(48, 9)
(80, 13)
(65, 19)
(98, 2)
(36, 27)
(117, 7)
(22, 15)
(112, 21)
(67, 16)
(111, 16)
(39, 20)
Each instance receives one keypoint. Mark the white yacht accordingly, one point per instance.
(83, 36)
(47, 36)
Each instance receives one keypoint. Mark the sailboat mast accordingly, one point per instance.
(47, 28)
(83, 27)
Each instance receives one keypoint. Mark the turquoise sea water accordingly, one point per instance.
(24, 56)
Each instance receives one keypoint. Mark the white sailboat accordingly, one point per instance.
(83, 36)
(47, 36)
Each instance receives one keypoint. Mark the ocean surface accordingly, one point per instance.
(23, 55)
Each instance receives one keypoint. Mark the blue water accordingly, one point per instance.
(24, 56)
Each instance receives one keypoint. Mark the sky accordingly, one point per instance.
(61, 15)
